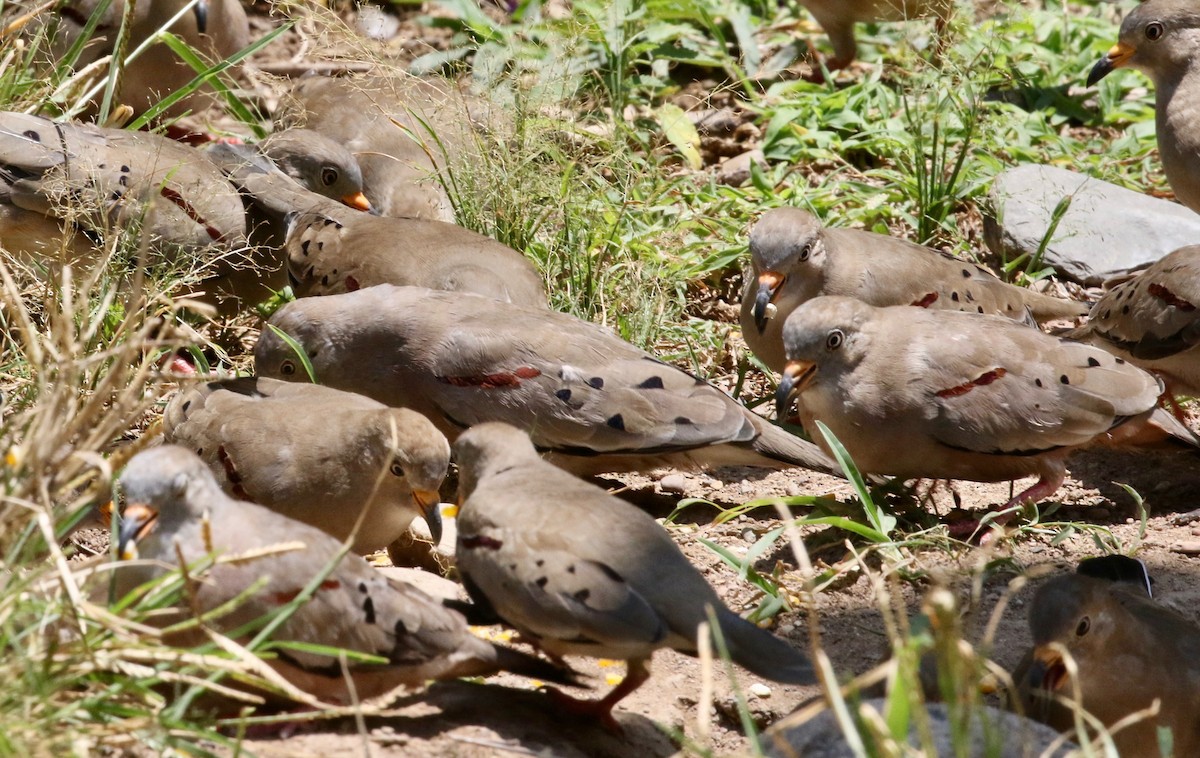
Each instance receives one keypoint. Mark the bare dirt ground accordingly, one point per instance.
(506, 717)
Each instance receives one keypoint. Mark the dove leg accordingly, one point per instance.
(637, 672)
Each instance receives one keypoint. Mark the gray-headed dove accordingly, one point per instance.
(596, 402)
(580, 572)
(794, 258)
(1161, 38)
(315, 454)
(175, 510)
(1129, 650)
(948, 395)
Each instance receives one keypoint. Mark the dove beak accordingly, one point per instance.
(357, 200)
(797, 375)
(1117, 56)
(429, 503)
(137, 521)
(769, 283)
(106, 512)
(1048, 671)
(200, 11)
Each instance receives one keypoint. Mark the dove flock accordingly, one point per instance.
(416, 352)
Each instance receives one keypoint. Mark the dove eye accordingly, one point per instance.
(397, 469)
(1084, 625)
(1154, 31)
(287, 368)
(834, 340)
(805, 252)
(329, 176)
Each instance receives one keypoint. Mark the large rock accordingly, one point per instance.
(993, 733)
(1107, 230)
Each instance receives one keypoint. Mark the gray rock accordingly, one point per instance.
(1107, 230)
(736, 171)
(994, 734)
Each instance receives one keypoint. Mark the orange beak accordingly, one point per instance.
(1118, 55)
(768, 284)
(358, 200)
(797, 375)
(137, 522)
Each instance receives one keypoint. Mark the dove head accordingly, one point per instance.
(164, 487)
(1074, 614)
(488, 449)
(319, 164)
(1159, 37)
(822, 335)
(786, 248)
(420, 458)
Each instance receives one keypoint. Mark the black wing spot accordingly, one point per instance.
(611, 573)
(616, 422)
(304, 246)
(966, 273)
(1120, 361)
(31, 134)
(683, 421)
(1038, 382)
(400, 629)
(596, 382)
(1125, 309)
(542, 581)
(954, 296)
(563, 395)
(1064, 379)
(362, 587)
(653, 383)
(541, 562)
(583, 595)
(1093, 362)
(186, 404)
(369, 609)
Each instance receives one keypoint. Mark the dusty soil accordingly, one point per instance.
(505, 716)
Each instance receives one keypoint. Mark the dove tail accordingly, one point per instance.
(762, 653)
(779, 445)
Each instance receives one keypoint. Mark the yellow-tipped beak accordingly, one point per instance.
(1048, 671)
(797, 375)
(1118, 55)
(429, 503)
(137, 521)
(769, 283)
(358, 200)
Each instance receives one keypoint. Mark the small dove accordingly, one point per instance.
(1151, 320)
(793, 259)
(316, 454)
(596, 402)
(332, 253)
(838, 17)
(1128, 649)
(318, 164)
(175, 510)
(579, 572)
(917, 393)
(1161, 38)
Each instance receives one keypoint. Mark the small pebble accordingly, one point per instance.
(1196, 530)
(673, 483)
(1190, 547)
(792, 490)
(1128, 521)
(758, 689)
(749, 536)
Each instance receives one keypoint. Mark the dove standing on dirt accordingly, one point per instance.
(838, 17)
(1129, 651)
(214, 29)
(85, 180)
(387, 122)
(594, 401)
(175, 510)
(579, 572)
(1151, 320)
(917, 393)
(328, 254)
(793, 259)
(316, 454)
(1161, 38)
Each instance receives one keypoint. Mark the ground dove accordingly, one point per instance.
(596, 402)
(580, 572)
(919, 393)
(793, 258)
(331, 253)
(214, 29)
(838, 17)
(1161, 38)
(176, 511)
(386, 122)
(1128, 649)
(1151, 320)
(315, 454)
(318, 164)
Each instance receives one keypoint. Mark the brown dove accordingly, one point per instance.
(1161, 38)
(918, 393)
(85, 179)
(1129, 650)
(329, 253)
(838, 17)
(386, 122)
(175, 510)
(793, 259)
(596, 402)
(214, 29)
(319, 164)
(316, 454)
(1151, 320)
(578, 571)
